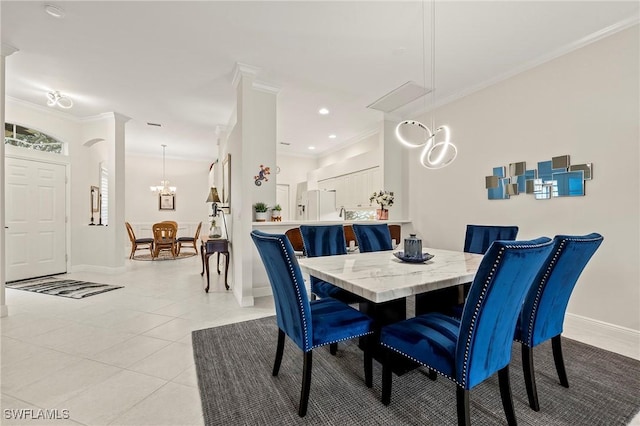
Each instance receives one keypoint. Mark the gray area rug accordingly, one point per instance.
(234, 362)
(62, 287)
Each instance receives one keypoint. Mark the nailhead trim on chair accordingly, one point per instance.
(539, 293)
(550, 268)
(304, 322)
(472, 325)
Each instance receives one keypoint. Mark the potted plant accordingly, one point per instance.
(276, 213)
(261, 211)
(384, 199)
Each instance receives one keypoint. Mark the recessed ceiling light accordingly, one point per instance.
(332, 136)
(312, 147)
(323, 111)
(55, 11)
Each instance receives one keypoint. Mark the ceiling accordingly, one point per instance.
(172, 63)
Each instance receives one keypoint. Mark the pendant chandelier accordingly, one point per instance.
(414, 134)
(163, 188)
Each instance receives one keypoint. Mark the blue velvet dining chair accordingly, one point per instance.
(376, 237)
(545, 305)
(326, 240)
(477, 240)
(471, 349)
(309, 324)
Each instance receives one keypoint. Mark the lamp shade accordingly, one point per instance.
(213, 196)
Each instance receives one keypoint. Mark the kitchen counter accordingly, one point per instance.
(290, 223)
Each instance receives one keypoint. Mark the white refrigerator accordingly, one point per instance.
(321, 205)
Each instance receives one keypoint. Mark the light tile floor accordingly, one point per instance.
(119, 358)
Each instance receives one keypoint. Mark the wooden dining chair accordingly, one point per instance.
(138, 243)
(471, 349)
(309, 324)
(396, 234)
(295, 238)
(350, 236)
(164, 238)
(189, 241)
(545, 305)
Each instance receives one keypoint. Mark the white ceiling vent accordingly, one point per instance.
(408, 92)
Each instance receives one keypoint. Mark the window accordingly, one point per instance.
(104, 193)
(24, 137)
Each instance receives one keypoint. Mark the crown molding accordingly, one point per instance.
(266, 87)
(351, 141)
(43, 109)
(243, 70)
(7, 49)
(564, 50)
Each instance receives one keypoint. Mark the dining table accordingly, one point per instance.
(385, 282)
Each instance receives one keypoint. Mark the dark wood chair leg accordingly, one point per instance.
(529, 377)
(505, 394)
(462, 406)
(556, 346)
(333, 348)
(386, 377)
(368, 360)
(279, 352)
(306, 383)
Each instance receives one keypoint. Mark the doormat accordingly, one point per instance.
(61, 287)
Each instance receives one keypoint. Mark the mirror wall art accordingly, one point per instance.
(551, 179)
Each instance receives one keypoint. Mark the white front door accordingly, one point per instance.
(35, 242)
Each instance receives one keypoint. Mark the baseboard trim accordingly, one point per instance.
(262, 291)
(99, 269)
(611, 337)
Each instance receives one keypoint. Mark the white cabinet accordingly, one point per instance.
(354, 189)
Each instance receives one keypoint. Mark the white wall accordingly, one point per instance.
(584, 104)
(189, 177)
(293, 170)
(364, 144)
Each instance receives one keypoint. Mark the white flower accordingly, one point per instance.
(383, 198)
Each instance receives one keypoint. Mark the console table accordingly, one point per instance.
(209, 247)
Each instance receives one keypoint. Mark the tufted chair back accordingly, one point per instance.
(490, 313)
(376, 237)
(478, 238)
(546, 303)
(290, 296)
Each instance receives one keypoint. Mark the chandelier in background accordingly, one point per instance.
(163, 188)
(414, 134)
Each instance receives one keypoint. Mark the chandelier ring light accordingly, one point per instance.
(435, 155)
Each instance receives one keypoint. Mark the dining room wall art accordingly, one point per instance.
(551, 179)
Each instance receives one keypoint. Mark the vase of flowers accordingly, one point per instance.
(384, 199)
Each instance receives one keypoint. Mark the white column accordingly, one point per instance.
(5, 51)
(256, 134)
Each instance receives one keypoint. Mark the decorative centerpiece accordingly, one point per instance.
(276, 213)
(261, 211)
(384, 199)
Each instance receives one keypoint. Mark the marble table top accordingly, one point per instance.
(381, 277)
